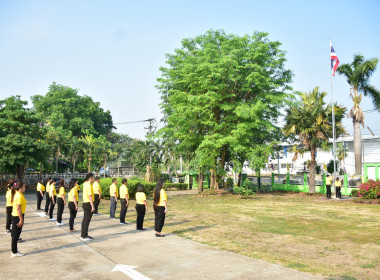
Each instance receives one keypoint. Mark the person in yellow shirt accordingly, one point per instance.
(338, 185)
(124, 201)
(73, 202)
(160, 207)
(8, 205)
(141, 207)
(40, 193)
(47, 196)
(53, 198)
(18, 214)
(88, 206)
(329, 178)
(113, 195)
(61, 201)
(97, 194)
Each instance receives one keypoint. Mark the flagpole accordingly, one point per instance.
(333, 120)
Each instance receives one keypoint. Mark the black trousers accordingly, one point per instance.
(73, 214)
(47, 202)
(140, 209)
(123, 210)
(338, 194)
(51, 209)
(16, 232)
(61, 206)
(113, 207)
(159, 218)
(9, 217)
(328, 191)
(96, 203)
(87, 215)
(39, 200)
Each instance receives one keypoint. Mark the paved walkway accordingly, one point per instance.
(121, 252)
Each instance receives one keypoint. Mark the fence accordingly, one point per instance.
(299, 183)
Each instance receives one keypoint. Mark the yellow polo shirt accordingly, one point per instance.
(40, 187)
(52, 188)
(140, 197)
(163, 196)
(338, 184)
(124, 192)
(62, 192)
(8, 196)
(19, 199)
(113, 190)
(73, 193)
(87, 191)
(328, 180)
(96, 188)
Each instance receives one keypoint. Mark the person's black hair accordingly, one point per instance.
(97, 178)
(114, 179)
(61, 183)
(11, 183)
(88, 176)
(15, 188)
(124, 181)
(157, 192)
(140, 188)
(72, 183)
(337, 178)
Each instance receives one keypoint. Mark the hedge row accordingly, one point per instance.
(105, 184)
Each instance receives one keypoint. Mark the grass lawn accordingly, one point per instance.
(337, 239)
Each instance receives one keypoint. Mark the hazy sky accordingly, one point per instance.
(112, 50)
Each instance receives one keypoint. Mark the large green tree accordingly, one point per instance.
(358, 74)
(63, 107)
(218, 92)
(21, 135)
(309, 124)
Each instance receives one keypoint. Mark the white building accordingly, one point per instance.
(370, 151)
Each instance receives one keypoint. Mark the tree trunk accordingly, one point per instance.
(200, 180)
(212, 179)
(88, 165)
(312, 165)
(358, 148)
(20, 170)
(118, 167)
(74, 165)
(191, 178)
(239, 179)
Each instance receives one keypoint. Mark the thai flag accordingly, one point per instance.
(334, 60)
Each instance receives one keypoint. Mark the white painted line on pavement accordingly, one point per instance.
(130, 272)
(41, 214)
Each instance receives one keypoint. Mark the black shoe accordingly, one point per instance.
(160, 235)
(90, 237)
(142, 228)
(20, 240)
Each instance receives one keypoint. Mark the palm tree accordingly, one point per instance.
(88, 147)
(309, 122)
(358, 74)
(74, 148)
(103, 147)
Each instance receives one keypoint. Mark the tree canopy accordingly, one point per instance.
(221, 96)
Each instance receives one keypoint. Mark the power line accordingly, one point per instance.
(132, 122)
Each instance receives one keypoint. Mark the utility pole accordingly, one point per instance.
(150, 129)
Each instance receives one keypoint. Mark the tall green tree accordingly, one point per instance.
(63, 107)
(309, 124)
(21, 135)
(220, 90)
(358, 74)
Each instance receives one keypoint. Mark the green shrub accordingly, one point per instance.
(242, 191)
(354, 193)
(229, 182)
(178, 186)
(105, 184)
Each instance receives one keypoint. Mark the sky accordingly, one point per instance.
(112, 50)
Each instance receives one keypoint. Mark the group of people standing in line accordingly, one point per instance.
(338, 186)
(92, 193)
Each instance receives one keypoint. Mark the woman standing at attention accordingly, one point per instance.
(47, 198)
(40, 193)
(9, 206)
(53, 199)
(73, 202)
(61, 201)
(141, 207)
(18, 213)
(160, 207)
